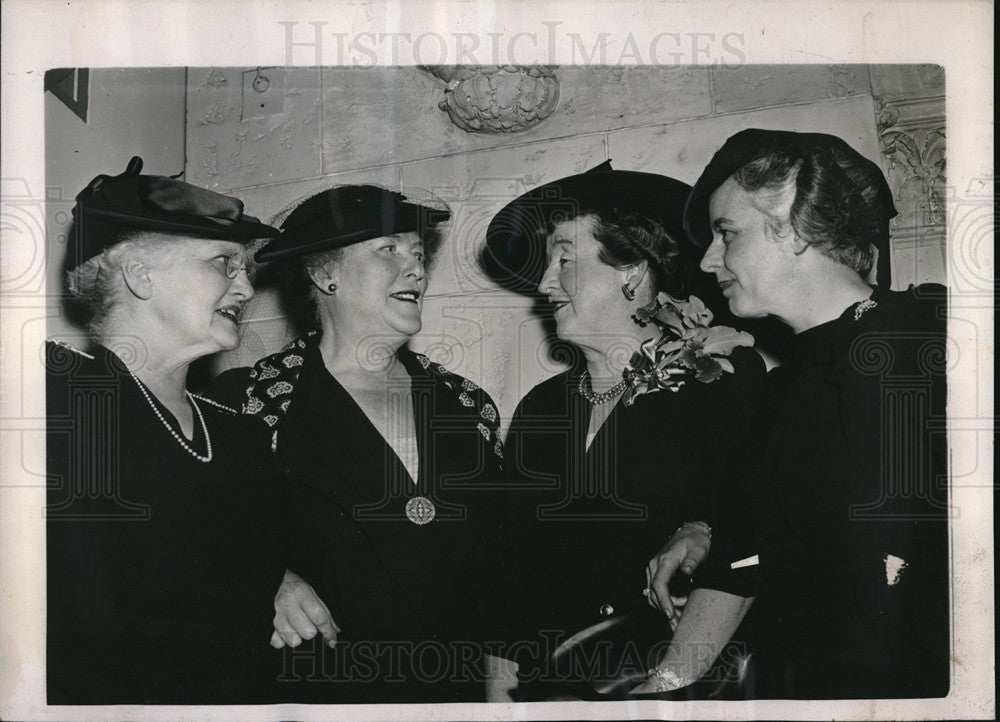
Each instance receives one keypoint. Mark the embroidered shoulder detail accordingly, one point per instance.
(74, 349)
(298, 343)
(474, 398)
(216, 404)
(272, 382)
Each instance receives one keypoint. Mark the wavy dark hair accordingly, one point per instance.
(839, 206)
(627, 238)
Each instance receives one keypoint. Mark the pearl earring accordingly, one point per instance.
(332, 288)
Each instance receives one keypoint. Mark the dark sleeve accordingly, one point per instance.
(85, 634)
(496, 617)
(230, 387)
(734, 532)
(515, 511)
(316, 525)
(892, 416)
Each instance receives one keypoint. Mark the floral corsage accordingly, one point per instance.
(688, 347)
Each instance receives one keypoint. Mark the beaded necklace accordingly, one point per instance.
(587, 391)
(177, 437)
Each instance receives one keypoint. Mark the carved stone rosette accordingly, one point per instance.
(497, 99)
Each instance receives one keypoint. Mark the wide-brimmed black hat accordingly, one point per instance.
(110, 204)
(753, 143)
(514, 254)
(346, 215)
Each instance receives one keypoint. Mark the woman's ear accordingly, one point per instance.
(634, 275)
(136, 274)
(324, 278)
(799, 246)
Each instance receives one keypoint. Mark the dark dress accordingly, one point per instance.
(161, 569)
(585, 523)
(416, 603)
(847, 480)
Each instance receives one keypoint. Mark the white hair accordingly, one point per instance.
(97, 286)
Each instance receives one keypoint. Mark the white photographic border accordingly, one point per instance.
(40, 35)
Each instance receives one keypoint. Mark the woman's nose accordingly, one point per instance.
(414, 267)
(241, 285)
(549, 280)
(712, 260)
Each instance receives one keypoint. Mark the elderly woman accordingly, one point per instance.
(837, 523)
(599, 476)
(389, 460)
(163, 549)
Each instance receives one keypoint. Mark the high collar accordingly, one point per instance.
(825, 343)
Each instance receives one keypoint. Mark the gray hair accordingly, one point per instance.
(96, 285)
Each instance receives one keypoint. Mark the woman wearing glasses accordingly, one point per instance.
(164, 551)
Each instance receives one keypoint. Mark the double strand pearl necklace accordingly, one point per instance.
(587, 391)
(177, 437)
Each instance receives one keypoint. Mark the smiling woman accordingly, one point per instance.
(389, 462)
(835, 519)
(601, 476)
(159, 586)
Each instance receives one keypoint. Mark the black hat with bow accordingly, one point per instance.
(130, 201)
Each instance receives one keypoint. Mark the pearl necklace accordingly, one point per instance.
(177, 437)
(587, 391)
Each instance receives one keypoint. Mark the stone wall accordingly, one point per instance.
(314, 128)
(131, 111)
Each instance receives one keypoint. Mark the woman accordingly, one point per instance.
(389, 458)
(845, 548)
(599, 478)
(164, 537)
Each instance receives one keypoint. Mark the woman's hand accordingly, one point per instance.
(685, 550)
(663, 679)
(299, 614)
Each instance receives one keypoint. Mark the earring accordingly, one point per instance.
(332, 288)
(627, 292)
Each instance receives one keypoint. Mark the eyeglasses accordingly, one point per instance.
(234, 263)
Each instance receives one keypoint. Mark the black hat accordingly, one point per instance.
(753, 143)
(346, 215)
(515, 250)
(110, 204)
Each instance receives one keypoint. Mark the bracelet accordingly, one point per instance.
(666, 679)
(703, 524)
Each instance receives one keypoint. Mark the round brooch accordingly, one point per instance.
(420, 510)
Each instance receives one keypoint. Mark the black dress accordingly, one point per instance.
(417, 603)
(847, 480)
(161, 569)
(585, 523)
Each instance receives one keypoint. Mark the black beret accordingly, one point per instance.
(346, 215)
(515, 254)
(753, 143)
(110, 204)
